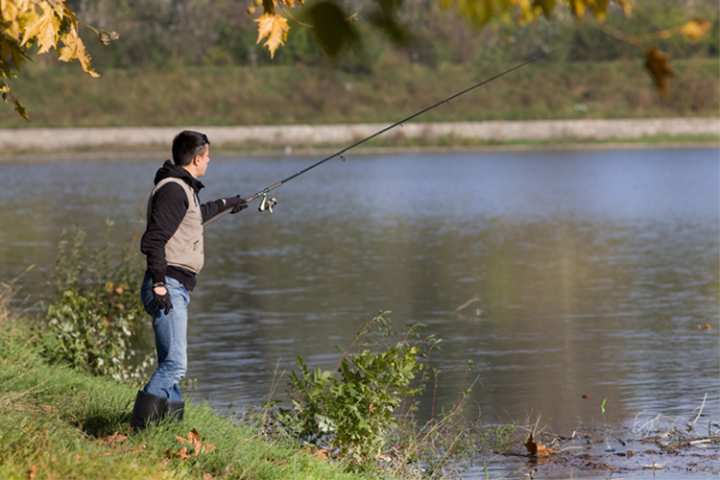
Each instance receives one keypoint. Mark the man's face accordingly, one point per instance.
(201, 161)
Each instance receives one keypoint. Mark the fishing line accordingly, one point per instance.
(268, 203)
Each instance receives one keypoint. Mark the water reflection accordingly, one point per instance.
(592, 270)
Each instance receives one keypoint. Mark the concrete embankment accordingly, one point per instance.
(312, 136)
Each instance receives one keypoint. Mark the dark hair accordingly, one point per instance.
(186, 145)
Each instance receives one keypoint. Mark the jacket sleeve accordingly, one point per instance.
(212, 209)
(167, 209)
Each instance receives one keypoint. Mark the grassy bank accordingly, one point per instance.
(453, 143)
(58, 423)
(314, 95)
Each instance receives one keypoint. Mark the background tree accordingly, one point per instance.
(177, 33)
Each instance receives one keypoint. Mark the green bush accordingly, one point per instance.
(92, 320)
(354, 409)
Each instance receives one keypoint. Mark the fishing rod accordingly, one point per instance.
(268, 203)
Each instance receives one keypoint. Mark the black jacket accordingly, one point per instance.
(167, 209)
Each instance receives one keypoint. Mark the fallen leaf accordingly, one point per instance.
(321, 453)
(32, 472)
(704, 326)
(115, 438)
(182, 454)
(207, 476)
(194, 441)
(585, 396)
(537, 449)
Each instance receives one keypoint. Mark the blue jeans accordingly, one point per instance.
(170, 338)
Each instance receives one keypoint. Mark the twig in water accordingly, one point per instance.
(467, 304)
(691, 425)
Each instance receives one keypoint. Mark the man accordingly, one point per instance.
(173, 245)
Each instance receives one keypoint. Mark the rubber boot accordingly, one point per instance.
(148, 409)
(176, 410)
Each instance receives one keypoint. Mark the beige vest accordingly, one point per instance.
(185, 247)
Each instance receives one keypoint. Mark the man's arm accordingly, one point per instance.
(168, 207)
(212, 209)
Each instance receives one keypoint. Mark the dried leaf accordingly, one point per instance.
(73, 49)
(20, 109)
(194, 441)
(182, 454)
(274, 28)
(537, 449)
(32, 472)
(42, 28)
(207, 476)
(657, 64)
(115, 438)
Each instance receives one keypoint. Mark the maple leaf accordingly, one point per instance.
(44, 29)
(275, 28)
(74, 48)
(695, 29)
(657, 64)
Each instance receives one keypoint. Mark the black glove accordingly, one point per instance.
(163, 302)
(237, 203)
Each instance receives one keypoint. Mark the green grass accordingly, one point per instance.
(62, 96)
(53, 422)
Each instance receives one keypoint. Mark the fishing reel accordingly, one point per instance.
(267, 203)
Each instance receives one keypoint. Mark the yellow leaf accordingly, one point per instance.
(74, 48)
(43, 28)
(273, 27)
(695, 29)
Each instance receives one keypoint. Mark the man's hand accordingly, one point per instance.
(162, 299)
(237, 203)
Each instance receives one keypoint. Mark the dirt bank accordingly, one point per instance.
(316, 136)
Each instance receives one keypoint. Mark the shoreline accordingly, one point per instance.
(20, 144)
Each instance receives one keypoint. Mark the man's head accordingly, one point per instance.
(191, 150)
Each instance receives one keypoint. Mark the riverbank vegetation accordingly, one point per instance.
(67, 384)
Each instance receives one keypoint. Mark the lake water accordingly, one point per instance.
(584, 273)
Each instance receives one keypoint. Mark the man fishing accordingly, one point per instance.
(173, 245)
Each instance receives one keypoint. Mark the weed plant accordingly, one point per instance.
(92, 320)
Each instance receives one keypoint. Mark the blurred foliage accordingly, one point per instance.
(29, 27)
(352, 35)
(165, 33)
